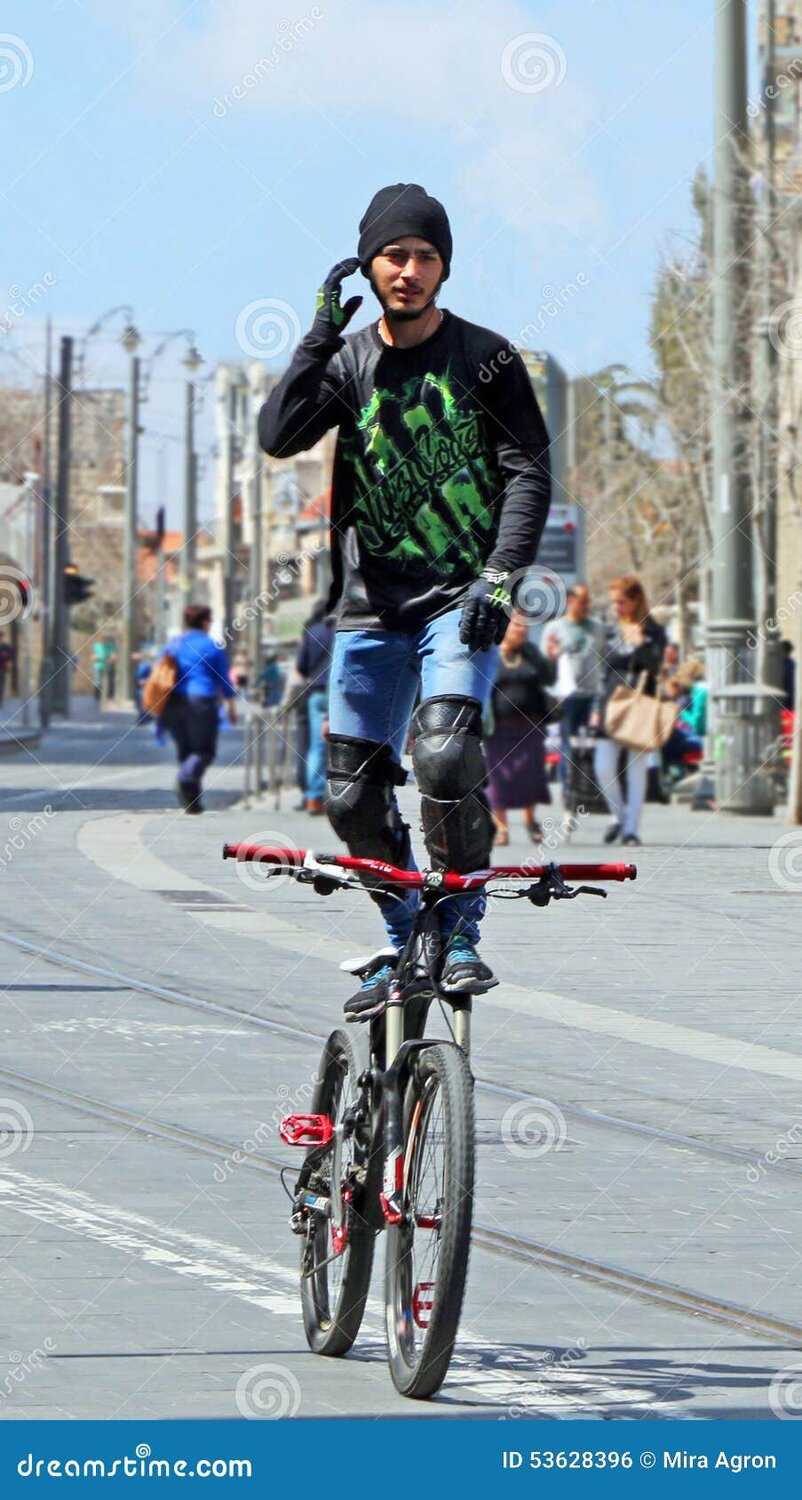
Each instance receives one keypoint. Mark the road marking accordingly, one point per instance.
(266, 1284)
(115, 844)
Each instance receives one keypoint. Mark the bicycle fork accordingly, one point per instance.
(397, 1052)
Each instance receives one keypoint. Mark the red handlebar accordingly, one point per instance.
(448, 880)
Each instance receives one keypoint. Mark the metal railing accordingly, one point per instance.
(269, 750)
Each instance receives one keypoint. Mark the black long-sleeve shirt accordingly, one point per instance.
(441, 466)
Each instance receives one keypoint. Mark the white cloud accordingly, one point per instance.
(433, 69)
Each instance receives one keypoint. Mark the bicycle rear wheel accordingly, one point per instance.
(427, 1254)
(334, 1286)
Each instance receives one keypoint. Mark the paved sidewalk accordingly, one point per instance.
(654, 1037)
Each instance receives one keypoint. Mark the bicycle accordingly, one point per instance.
(390, 1136)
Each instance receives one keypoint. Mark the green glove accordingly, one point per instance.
(331, 318)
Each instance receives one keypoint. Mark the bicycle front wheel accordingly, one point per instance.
(335, 1278)
(427, 1254)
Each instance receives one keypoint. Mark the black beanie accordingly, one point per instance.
(403, 208)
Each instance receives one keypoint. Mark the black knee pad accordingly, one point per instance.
(451, 774)
(360, 800)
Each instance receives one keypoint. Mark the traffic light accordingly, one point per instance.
(76, 588)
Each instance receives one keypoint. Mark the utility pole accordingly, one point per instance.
(60, 635)
(192, 362)
(731, 561)
(768, 666)
(45, 568)
(228, 518)
(125, 676)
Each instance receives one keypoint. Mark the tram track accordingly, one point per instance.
(577, 1113)
(520, 1248)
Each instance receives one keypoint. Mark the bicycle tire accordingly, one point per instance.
(419, 1364)
(332, 1316)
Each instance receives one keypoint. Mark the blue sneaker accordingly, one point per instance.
(463, 971)
(371, 999)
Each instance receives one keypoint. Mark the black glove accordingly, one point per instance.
(331, 318)
(487, 611)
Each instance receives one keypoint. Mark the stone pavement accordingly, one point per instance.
(654, 1038)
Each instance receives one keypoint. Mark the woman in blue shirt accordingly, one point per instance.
(191, 716)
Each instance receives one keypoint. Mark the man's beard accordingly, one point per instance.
(403, 314)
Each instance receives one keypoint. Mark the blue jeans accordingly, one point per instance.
(574, 715)
(373, 686)
(316, 752)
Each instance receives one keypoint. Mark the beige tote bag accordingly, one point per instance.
(639, 722)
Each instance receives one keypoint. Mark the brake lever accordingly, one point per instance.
(552, 887)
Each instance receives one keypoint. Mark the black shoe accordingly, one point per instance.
(189, 795)
(613, 834)
(371, 999)
(631, 838)
(463, 971)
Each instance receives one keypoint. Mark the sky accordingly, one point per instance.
(207, 162)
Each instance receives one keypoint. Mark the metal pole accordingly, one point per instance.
(731, 562)
(60, 639)
(32, 482)
(256, 614)
(188, 560)
(228, 519)
(45, 569)
(125, 681)
(768, 661)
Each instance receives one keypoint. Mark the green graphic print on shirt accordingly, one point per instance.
(425, 483)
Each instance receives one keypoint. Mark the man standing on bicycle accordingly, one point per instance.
(440, 492)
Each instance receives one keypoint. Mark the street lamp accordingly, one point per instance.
(130, 340)
(192, 362)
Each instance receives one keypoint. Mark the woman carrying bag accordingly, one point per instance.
(190, 710)
(627, 713)
(514, 738)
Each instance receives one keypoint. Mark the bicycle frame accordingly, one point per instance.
(329, 872)
(392, 1176)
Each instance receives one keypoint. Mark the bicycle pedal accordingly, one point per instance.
(306, 1130)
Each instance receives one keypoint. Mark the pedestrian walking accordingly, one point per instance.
(440, 493)
(576, 641)
(6, 664)
(635, 646)
(312, 665)
(271, 682)
(515, 745)
(192, 713)
(104, 663)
